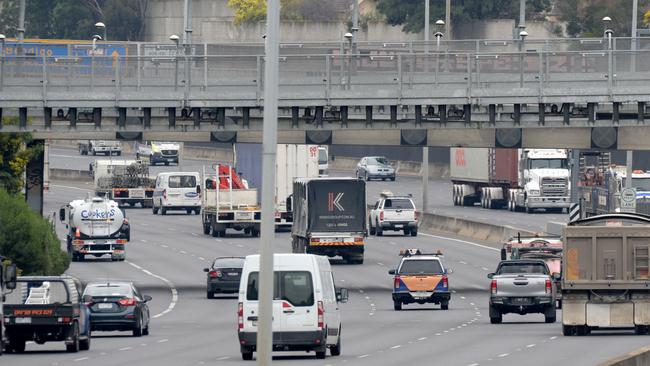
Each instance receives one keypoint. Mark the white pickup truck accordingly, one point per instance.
(394, 213)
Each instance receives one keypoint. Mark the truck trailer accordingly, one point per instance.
(330, 217)
(518, 179)
(606, 274)
(127, 182)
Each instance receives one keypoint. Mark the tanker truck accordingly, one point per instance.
(95, 226)
(518, 179)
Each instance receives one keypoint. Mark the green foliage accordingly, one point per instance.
(14, 156)
(252, 11)
(584, 18)
(75, 19)
(29, 239)
(410, 13)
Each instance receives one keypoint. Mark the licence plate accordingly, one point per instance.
(520, 300)
(421, 295)
(243, 216)
(136, 193)
(233, 273)
(399, 226)
(254, 323)
(105, 306)
(26, 320)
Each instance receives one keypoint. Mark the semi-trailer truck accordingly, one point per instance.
(519, 179)
(330, 217)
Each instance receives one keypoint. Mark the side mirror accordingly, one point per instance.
(147, 298)
(342, 295)
(10, 276)
(450, 270)
(87, 299)
(62, 214)
(490, 275)
(391, 271)
(198, 189)
(206, 270)
(503, 254)
(289, 203)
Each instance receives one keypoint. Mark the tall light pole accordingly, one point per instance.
(269, 147)
(607, 21)
(349, 37)
(174, 38)
(96, 38)
(2, 62)
(522, 38)
(448, 19)
(102, 26)
(439, 26)
(635, 16)
(522, 15)
(187, 40)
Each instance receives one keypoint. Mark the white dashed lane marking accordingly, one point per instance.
(169, 283)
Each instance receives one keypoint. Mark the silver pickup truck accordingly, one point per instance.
(522, 287)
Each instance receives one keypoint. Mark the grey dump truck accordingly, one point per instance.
(606, 274)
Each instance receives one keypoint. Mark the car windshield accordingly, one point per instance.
(38, 292)
(399, 204)
(228, 263)
(547, 163)
(295, 287)
(182, 181)
(516, 268)
(420, 266)
(121, 289)
(378, 161)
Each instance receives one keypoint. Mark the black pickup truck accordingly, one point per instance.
(44, 309)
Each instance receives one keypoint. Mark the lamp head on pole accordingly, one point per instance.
(97, 37)
(349, 37)
(100, 25)
(174, 38)
(523, 34)
(440, 22)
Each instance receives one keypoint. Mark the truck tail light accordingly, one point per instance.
(65, 319)
(121, 241)
(493, 287)
(358, 239)
(445, 281)
(314, 240)
(214, 274)
(381, 215)
(397, 282)
(417, 215)
(240, 315)
(321, 315)
(548, 287)
(164, 194)
(127, 302)
(77, 233)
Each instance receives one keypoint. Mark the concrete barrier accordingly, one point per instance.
(404, 168)
(70, 175)
(639, 357)
(469, 229)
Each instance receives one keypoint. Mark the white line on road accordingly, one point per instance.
(164, 245)
(461, 241)
(503, 355)
(363, 356)
(201, 258)
(183, 252)
(553, 337)
(169, 283)
(195, 234)
(81, 359)
(142, 240)
(473, 364)
(421, 339)
(462, 262)
(67, 156)
(223, 358)
(530, 345)
(68, 187)
(163, 340)
(484, 268)
(396, 347)
(126, 348)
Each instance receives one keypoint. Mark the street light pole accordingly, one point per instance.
(2, 62)
(174, 38)
(448, 19)
(635, 16)
(92, 60)
(522, 38)
(269, 147)
(349, 37)
(187, 40)
(102, 26)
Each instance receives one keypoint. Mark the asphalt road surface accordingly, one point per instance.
(167, 254)
(439, 191)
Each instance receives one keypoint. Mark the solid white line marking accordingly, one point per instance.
(363, 356)
(81, 359)
(530, 345)
(163, 340)
(126, 348)
(240, 246)
(438, 334)
(553, 337)
(503, 355)
(223, 358)
(195, 234)
(461, 241)
(201, 258)
(142, 240)
(473, 364)
(183, 252)
(164, 245)
(421, 339)
(169, 283)
(485, 269)
(396, 347)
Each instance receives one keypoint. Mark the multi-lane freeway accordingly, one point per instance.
(166, 257)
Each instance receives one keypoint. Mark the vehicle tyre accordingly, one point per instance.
(215, 232)
(379, 230)
(197, 211)
(210, 295)
(188, 211)
(84, 345)
(206, 229)
(336, 349)
(392, 179)
(154, 209)
(321, 353)
(119, 153)
(254, 233)
(528, 209)
(414, 232)
(383, 179)
(367, 177)
(444, 306)
(582, 330)
(94, 152)
(495, 316)
(640, 329)
(549, 314)
(17, 345)
(74, 347)
(407, 231)
(137, 331)
(222, 233)
(247, 355)
(163, 211)
(568, 330)
(145, 330)
(166, 163)
(397, 305)
(372, 228)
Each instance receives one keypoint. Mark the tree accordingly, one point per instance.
(584, 18)
(29, 239)
(14, 157)
(410, 13)
(252, 11)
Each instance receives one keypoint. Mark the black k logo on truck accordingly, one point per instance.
(334, 202)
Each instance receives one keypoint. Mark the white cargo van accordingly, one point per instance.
(177, 191)
(306, 314)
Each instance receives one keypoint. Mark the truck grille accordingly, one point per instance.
(554, 187)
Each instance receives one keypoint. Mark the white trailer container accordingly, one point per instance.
(96, 226)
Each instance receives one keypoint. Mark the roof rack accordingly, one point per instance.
(414, 251)
(386, 194)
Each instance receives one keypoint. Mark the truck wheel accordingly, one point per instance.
(568, 330)
(17, 345)
(163, 211)
(414, 232)
(254, 233)
(379, 230)
(582, 330)
(495, 316)
(397, 305)
(528, 209)
(407, 231)
(94, 152)
(188, 211)
(367, 177)
(154, 209)
(640, 329)
(119, 153)
(74, 346)
(372, 229)
(549, 314)
(166, 163)
(84, 345)
(206, 229)
(246, 354)
(210, 294)
(444, 306)
(222, 233)
(321, 353)
(336, 350)
(215, 232)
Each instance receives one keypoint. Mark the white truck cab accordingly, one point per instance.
(306, 314)
(177, 191)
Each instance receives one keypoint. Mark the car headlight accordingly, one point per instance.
(534, 192)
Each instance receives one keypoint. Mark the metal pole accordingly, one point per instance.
(187, 40)
(426, 32)
(522, 14)
(349, 59)
(425, 178)
(635, 16)
(355, 22)
(575, 175)
(448, 19)
(2, 65)
(269, 147)
(21, 22)
(176, 68)
(628, 169)
(521, 62)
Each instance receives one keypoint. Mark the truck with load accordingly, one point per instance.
(229, 204)
(330, 217)
(606, 274)
(7, 282)
(95, 147)
(95, 226)
(519, 179)
(46, 309)
(127, 182)
(293, 161)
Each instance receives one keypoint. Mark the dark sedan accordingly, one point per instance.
(224, 275)
(117, 306)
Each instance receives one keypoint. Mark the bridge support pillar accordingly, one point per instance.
(393, 116)
(492, 114)
(566, 113)
(517, 114)
(368, 116)
(34, 178)
(295, 117)
(246, 116)
(72, 117)
(641, 115)
(121, 117)
(196, 116)
(221, 117)
(171, 117)
(318, 116)
(442, 111)
(467, 113)
(22, 120)
(591, 112)
(616, 107)
(47, 117)
(97, 117)
(541, 112)
(147, 117)
(418, 115)
(344, 116)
